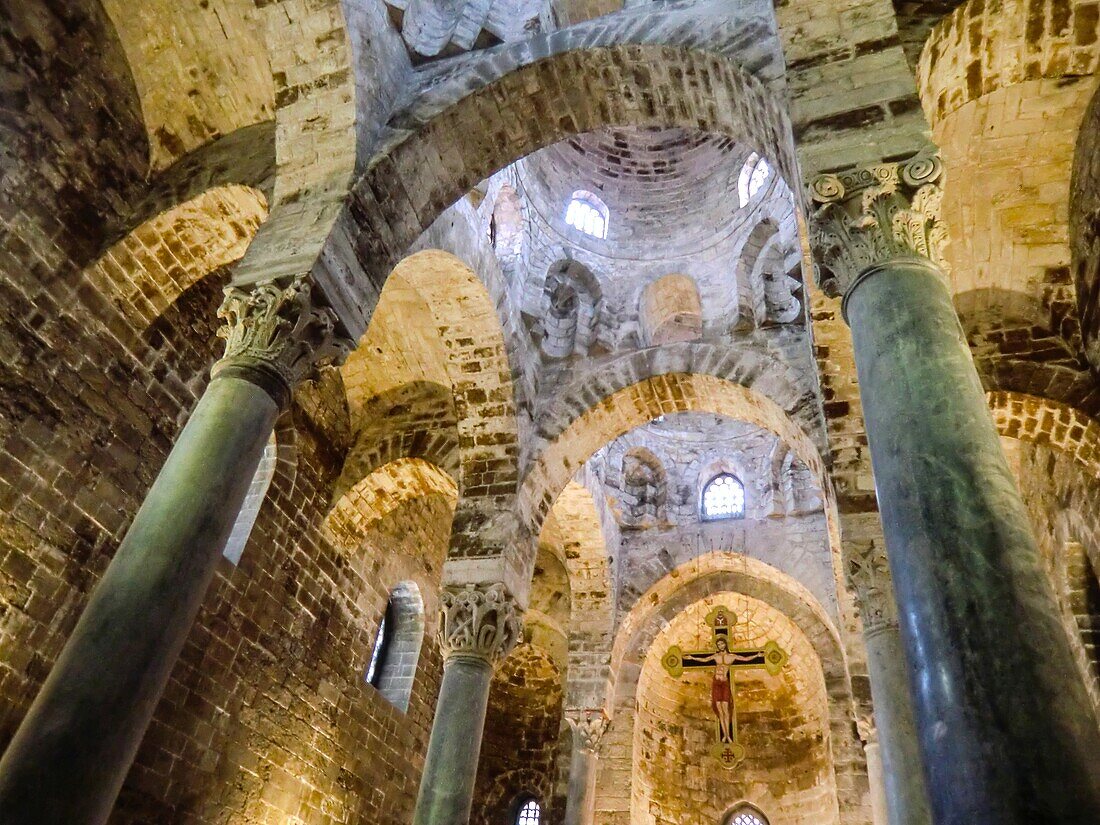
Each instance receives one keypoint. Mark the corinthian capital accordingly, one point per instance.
(870, 216)
(479, 621)
(589, 726)
(277, 335)
(869, 576)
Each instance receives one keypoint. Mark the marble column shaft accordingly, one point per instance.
(905, 797)
(71, 753)
(479, 626)
(588, 727)
(1004, 723)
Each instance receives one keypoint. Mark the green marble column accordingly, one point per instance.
(479, 626)
(905, 796)
(71, 753)
(1006, 731)
(588, 727)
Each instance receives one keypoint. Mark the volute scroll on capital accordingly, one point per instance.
(478, 621)
(278, 335)
(873, 215)
(589, 726)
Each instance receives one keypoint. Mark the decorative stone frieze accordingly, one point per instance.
(870, 216)
(277, 335)
(589, 726)
(478, 621)
(869, 576)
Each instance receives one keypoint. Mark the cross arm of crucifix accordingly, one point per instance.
(770, 657)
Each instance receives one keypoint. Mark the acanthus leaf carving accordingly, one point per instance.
(479, 621)
(869, 575)
(276, 329)
(870, 216)
(589, 726)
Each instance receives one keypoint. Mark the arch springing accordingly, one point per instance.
(723, 497)
(754, 174)
(587, 213)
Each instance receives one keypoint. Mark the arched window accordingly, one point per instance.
(392, 667)
(529, 812)
(754, 174)
(587, 213)
(746, 815)
(257, 491)
(724, 497)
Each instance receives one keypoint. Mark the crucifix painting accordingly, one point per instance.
(721, 660)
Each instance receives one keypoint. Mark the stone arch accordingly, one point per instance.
(621, 410)
(201, 71)
(1044, 421)
(644, 488)
(548, 616)
(980, 48)
(637, 86)
(707, 576)
(573, 300)
(381, 492)
(767, 290)
(475, 365)
(149, 268)
(413, 420)
(670, 311)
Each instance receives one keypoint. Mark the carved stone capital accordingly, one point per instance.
(871, 216)
(478, 621)
(277, 335)
(868, 733)
(869, 576)
(589, 726)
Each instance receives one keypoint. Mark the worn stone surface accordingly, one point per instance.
(495, 423)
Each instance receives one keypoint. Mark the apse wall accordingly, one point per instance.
(782, 723)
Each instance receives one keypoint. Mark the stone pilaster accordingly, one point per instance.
(277, 335)
(478, 622)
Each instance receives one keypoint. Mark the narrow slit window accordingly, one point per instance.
(381, 647)
(587, 213)
(723, 497)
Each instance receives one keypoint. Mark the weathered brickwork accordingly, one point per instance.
(529, 404)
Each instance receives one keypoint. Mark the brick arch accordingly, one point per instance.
(981, 47)
(413, 420)
(635, 85)
(597, 422)
(481, 378)
(147, 270)
(381, 492)
(1046, 422)
(722, 572)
